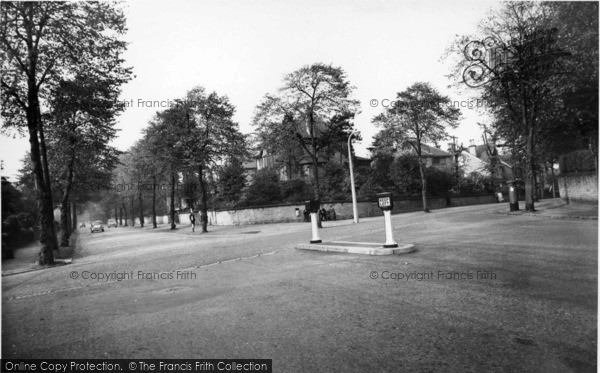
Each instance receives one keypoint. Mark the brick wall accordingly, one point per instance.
(578, 187)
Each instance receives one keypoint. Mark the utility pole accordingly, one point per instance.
(354, 206)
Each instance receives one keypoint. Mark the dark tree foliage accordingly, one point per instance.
(264, 190)
(539, 75)
(310, 116)
(42, 44)
(421, 115)
(232, 181)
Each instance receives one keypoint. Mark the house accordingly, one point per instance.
(479, 158)
(293, 169)
(296, 163)
(431, 156)
(438, 158)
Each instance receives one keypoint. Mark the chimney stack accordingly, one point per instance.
(472, 147)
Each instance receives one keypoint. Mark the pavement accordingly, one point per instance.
(27, 258)
(483, 292)
(555, 209)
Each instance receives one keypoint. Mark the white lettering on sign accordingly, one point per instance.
(384, 202)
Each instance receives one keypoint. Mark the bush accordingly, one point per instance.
(14, 234)
(405, 173)
(577, 161)
(11, 225)
(7, 247)
(26, 221)
(476, 183)
(264, 190)
(335, 185)
(439, 182)
(295, 191)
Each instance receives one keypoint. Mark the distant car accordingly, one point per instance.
(111, 223)
(97, 226)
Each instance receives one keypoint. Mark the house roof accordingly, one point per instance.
(482, 154)
(432, 152)
(308, 160)
(250, 165)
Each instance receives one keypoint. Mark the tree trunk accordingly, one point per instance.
(132, 213)
(423, 186)
(64, 220)
(154, 202)
(203, 200)
(543, 183)
(172, 207)
(39, 159)
(553, 181)
(116, 215)
(44, 195)
(126, 215)
(65, 212)
(74, 212)
(317, 191)
(530, 174)
(69, 219)
(141, 209)
(120, 216)
(49, 202)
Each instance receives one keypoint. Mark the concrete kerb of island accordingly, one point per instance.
(365, 248)
(390, 247)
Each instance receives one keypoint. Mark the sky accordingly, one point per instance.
(243, 49)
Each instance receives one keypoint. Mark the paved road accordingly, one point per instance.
(428, 311)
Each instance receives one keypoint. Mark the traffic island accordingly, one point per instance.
(365, 248)
(390, 247)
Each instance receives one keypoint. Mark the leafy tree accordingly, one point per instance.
(151, 165)
(420, 115)
(404, 173)
(82, 119)
(311, 111)
(11, 198)
(533, 68)
(192, 138)
(295, 190)
(576, 114)
(232, 181)
(335, 181)
(211, 137)
(264, 189)
(439, 181)
(383, 157)
(43, 43)
(168, 139)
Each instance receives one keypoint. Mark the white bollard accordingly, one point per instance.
(386, 204)
(315, 228)
(389, 236)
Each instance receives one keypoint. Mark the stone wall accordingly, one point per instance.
(292, 213)
(579, 187)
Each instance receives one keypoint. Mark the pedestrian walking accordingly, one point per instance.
(193, 220)
(499, 197)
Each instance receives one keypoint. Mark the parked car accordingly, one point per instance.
(97, 226)
(111, 223)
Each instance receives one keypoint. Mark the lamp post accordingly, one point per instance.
(354, 207)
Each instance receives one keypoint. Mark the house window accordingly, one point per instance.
(437, 160)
